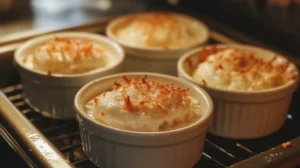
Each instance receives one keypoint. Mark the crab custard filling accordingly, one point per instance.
(63, 55)
(159, 30)
(140, 104)
(234, 69)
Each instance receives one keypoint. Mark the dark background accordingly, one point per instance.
(8, 158)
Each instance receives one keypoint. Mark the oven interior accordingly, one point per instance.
(218, 152)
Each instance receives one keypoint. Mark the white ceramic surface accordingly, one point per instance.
(53, 95)
(115, 148)
(241, 114)
(149, 59)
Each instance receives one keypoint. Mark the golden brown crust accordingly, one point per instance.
(64, 45)
(286, 144)
(164, 91)
(246, 65)
(155, 19)
(96, 100)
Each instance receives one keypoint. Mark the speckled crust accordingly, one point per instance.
(144, 105)
(63, 55)
(233, 69)
(158, 30)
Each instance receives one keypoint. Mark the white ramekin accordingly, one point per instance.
(149, 59)
(244, 114)
(115, 148)
(53, 95)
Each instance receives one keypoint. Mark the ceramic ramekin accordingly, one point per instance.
(241, 114)
(115, 148)
(149, 59)
(53, 95)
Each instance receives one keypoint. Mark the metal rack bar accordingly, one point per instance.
(31, 136)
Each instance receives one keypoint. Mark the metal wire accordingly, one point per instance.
(218, 152)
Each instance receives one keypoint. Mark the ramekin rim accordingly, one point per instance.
(189, 78)
(96, 37)
(206, 118)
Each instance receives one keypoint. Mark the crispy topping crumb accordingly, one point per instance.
(65, 45)
(126, 79)
(161, 107)
(117, 85)
(189, 61)
(203, 54)
(165, 92)
(294, 77)
(286, 144)
(142, 104)
(175, 122)
(236, 69)
(161, 30)
(49, 73)
(96, 100)
(63, 55)
(145, 82)
(273, 59)
(128, 105)
(155, 19)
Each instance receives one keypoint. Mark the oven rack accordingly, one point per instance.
(25, 129)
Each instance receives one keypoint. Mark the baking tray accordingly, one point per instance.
(44, 142)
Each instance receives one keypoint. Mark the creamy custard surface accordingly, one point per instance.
(63, 55)
(159, 30)
(234, 69)
(139, 104)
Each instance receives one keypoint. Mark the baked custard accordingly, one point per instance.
(139, 104)
(159, 30)
(234, 69)
(63, 55)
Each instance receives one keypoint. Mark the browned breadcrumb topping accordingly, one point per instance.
(65, 45)
(207, 51)
(49, 73)
(126, 79)
(286, 144)
(155, 19)
(248, 63)
(175, 122)
(204, 82)
(154, 94)
(150, 23)
(116, 85)
(128, 105)
(189, 61)
(96, 100)
(294, 77)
